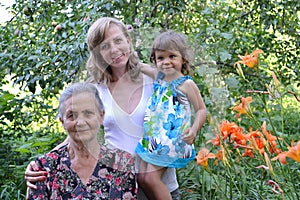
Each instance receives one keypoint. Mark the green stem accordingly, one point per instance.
(261, 185)
(282, 114)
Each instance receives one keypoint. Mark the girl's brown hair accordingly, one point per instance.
(173, 41)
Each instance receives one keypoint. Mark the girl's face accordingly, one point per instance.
(82, 119)
(115, 48)
(169, 62)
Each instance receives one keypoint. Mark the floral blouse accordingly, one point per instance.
(113, 177)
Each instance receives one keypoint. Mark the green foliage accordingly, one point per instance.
(43, 48)
(234, 173)
(236, 181)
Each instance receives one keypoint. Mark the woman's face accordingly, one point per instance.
(82, 119)
(115, 48)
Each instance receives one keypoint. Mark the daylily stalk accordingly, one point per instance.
(269, 163)
(240, 72)
(275, 80)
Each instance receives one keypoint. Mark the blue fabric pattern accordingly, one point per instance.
(167, 115)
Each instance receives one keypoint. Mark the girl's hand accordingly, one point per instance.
(189, 136)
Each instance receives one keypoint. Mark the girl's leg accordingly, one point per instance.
(149, 179)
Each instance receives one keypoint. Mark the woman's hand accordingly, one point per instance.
(32, 177)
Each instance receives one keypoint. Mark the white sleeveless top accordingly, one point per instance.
(123, 130)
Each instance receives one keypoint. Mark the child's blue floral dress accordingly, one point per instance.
(167, 115)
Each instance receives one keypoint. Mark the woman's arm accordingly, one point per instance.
(148, 70)
(32, 175)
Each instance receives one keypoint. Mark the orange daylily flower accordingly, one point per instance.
(255, 143)
(221, 155)
(248, 152)
(293, 153)
(226, 128)
(259, 144)
(250, 60)
(215, 141)
(254, 134)
(244, 107)
(281, 157)
(239, 137)
(203, 156)
(271, 139)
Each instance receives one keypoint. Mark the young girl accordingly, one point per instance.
(168, 133)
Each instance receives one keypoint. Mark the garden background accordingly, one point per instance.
(253, 108)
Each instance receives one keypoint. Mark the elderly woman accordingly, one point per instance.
(83, 168)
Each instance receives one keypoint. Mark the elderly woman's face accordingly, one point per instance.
(115, 48)
(82, 119)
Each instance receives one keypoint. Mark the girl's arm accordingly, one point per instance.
(148, 70)
(191, 90)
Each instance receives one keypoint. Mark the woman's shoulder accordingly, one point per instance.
(57, 153)
(52, 158)
(147, 79)
(101, 86)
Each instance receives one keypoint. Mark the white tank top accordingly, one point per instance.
(123, 130)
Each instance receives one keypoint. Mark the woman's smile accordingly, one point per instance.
(118, 58)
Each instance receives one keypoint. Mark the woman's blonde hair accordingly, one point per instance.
(100, 71)
(173, 41)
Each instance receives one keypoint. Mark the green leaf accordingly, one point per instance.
(227, 35)
(225, 55)
(232, 82)
(212, 70)
(24, 148)
(33, 57)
